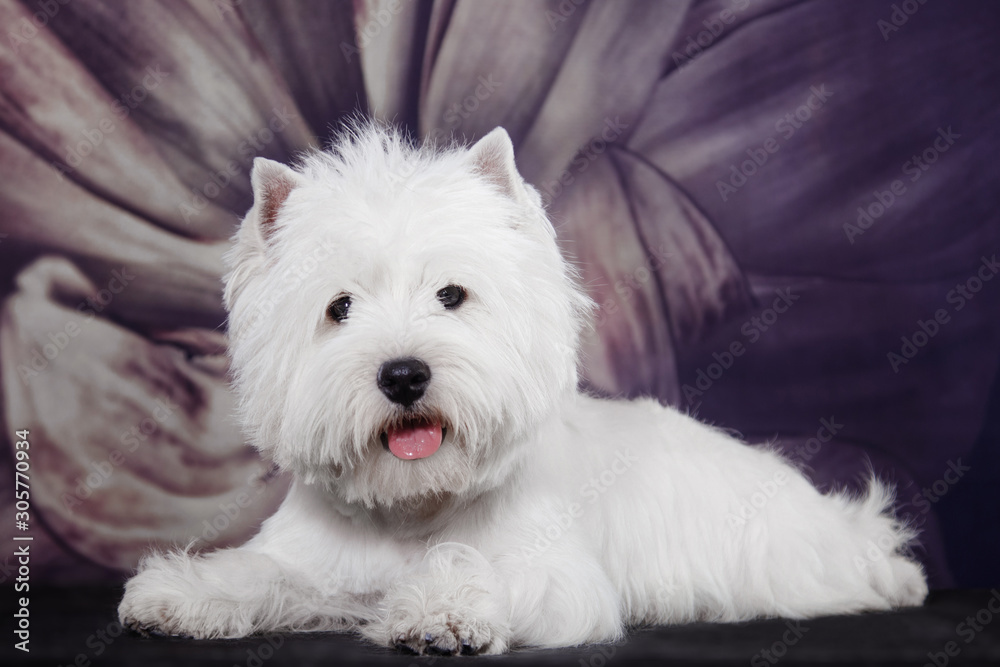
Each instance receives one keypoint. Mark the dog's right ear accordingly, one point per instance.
(272, 183)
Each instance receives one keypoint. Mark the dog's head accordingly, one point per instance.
(401, 319)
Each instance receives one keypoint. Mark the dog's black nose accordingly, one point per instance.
(403, 381)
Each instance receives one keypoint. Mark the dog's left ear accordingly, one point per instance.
(493, 157)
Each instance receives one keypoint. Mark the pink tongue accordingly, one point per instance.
(417, 441)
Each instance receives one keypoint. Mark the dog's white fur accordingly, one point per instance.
(547, 517)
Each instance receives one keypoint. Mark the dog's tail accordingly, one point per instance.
(887, 542)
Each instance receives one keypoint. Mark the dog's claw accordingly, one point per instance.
(145, 630)
(429, 645)
(137, 629)
(434, 649)
(406, 649)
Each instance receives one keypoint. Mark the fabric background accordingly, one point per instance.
(707, 164)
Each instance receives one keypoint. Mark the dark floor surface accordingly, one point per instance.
(77, 626)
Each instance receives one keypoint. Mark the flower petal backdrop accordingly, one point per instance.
(705, 163)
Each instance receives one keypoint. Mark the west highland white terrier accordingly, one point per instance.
(404, 340)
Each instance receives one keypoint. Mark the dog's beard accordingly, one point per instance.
(379, 479)
(341, 432)
(474, 459)
(335, 428)
(436, 455)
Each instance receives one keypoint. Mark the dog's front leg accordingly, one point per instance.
(460, 602)
(226, 593)
(455, 604)
(560, 596)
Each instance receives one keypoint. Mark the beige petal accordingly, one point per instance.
(218, 102)
(168, 281)
(55, 107)
(658, 270)
(389, 36)
(630, 349)
(475, 79)
(313, 45)
(132, 445)
(617, 55)
(701, 282)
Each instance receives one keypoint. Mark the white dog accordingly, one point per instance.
(404, 338)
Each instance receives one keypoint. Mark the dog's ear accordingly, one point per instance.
(493, 157)
(272, 182)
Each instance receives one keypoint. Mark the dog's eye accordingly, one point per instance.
(338, 309)
(451, 297)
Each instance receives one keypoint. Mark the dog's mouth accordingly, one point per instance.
(415, 438)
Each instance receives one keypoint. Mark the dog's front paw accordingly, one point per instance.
(171, 596)
(458, 605)
(447, 634)
(151, 617)
(152, 606)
